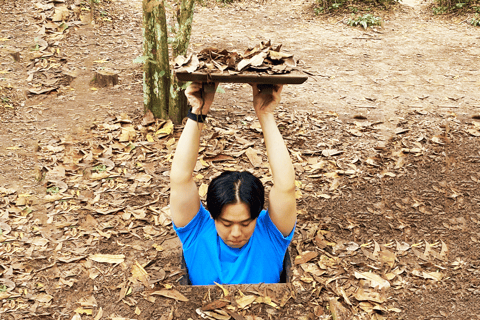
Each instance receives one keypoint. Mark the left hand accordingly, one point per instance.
(200, 99)
(265, 103)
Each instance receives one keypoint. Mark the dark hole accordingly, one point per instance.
(285, 276)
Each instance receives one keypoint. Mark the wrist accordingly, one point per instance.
(196, 116)
(266, 117)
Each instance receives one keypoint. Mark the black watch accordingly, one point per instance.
(200, 118)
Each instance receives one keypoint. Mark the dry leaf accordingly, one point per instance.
(331, 152)
(437, 276)
(100, 175)
(370, 295)
(312, 269)
(225, 291)
(81, 310)
(202, 191)
(128, 134)
(374, 280)
(402, 246)
(4, 295)
(366, 306)
(61, 14)
(217, 304)
(387, 257)
(143, 177)
(43, 297)
(76, 316)
(170, 293)
(88, 302)
(255, 160)
(474, 132)
(139, 273)
(339, 312)
(107, 258)
(266, 300)
(444, 252)
(49, 198)
(305, 257)
(245, 301)
(355, 132)
(166, 130)
(99, 314)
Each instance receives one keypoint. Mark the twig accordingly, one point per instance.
(24, 121)
(367, 38)
(44, 268)
(147, 204)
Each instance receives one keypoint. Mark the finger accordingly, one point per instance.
(209, 87)
(193, 87)
(278, 88)
(266, 89)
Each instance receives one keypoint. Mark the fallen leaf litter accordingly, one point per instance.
(101, 176)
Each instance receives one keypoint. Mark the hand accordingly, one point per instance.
(200, 97)
(265, 103)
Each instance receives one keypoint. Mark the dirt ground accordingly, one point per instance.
(384, 139)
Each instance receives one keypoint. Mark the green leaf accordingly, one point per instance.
(53, 190)
(185, 85)
(220, 89)
(140, 59)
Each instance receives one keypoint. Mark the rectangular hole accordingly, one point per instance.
(285, 276)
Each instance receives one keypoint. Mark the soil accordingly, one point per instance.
(384, 138)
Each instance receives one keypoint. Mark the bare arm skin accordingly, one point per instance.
(184, 198)
(282, 204)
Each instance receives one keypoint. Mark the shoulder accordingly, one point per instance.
(265, 224)
(200, 220)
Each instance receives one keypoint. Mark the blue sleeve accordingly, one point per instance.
(191, 231)
(279, 242)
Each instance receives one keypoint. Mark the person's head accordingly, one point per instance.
(235, 200)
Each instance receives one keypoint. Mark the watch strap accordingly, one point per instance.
(200, 118)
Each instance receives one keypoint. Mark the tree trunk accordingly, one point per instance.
(182, 38)
(106, 78)
(178, 108)
(156, 74)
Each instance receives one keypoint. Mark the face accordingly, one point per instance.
(234, 225)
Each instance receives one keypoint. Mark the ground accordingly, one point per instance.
(384, 137)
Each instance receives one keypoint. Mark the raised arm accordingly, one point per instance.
(282, 206)
(184, 198)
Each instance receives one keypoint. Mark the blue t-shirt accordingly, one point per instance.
(210, 260)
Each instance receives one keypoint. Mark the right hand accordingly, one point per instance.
(197, 97)
(266, 103)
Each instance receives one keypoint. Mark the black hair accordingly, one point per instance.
(232, 187)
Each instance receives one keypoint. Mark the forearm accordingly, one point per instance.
(278, 156)
(186, 153)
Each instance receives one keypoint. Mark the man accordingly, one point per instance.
(235, 241)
